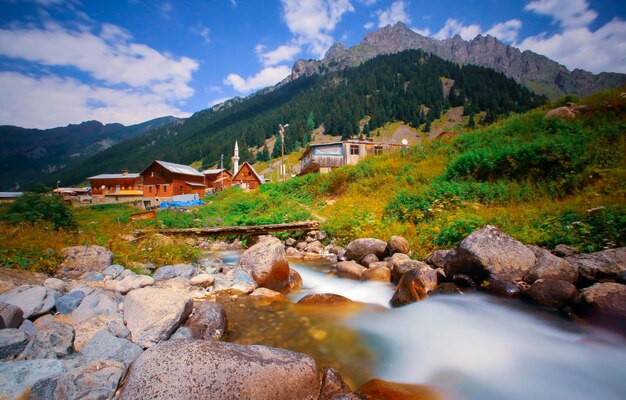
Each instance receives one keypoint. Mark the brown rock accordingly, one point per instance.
(437, 259)
(447, 288)
(333, 384)
(500, 287)
(602, 300)
(563, 250)
(369, 259)
(378, 389)
(267, 296)
(377, 272)
(10, 316)
(602, 266)
(561, 112)
(549, 266)
(551, 292)
(398, 244)
(11, 278)
(207, 321)
(350, 270)
(295, 280)
(414, 286)
(402, 267)
(267, 264)
(210, 370)
(324, 299)
(292, 252)
(360, 248)
(82, 259)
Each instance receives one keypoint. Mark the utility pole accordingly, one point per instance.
(281, 129)
(222, 168)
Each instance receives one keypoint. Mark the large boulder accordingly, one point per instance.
(68, 303)
(106, 346)
(602, 266)
(87, 329)
(33, 300)
(174, 271)
(194, 369)
(17, 377)
(265, 296)
(267, 264)
(604, 304)
(208, 321)
(415, 285)
(377, 272)
(153, 314)
(437, 259)
(11, 316)
(551, 293)
(97, 380)
(81, 259)
(399, 268)
(398, 244)
(350, 270)
(549, 266)
(55, 340)
(12, 342)
(96, 303)
(130, 283)
(358, 249)
(55, 284)
(490, 252)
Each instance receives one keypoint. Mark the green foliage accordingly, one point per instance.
(35, 208)
(457, 230)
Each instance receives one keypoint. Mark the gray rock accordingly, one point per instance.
(369, 259)
(153, 314)
(358, 249)
(202, 280)
(92, 276)
(106, 346)
(82, 259)
(12, 342)
(211, 265)
(414, 285)
(602, 299)
(44, 388)
(437, 258)
(113, 271)
(29, 328)
(267, 264)
(33, 300)
(549, 266)
(398, 244)
(602, 266)
(125, 274)
(69, 302)
(194, 369)
(55, 340)
(17, 377)
(551, 292)
(56, 284)
(175, 283)
(97, 380)
(11, 315)
(181, 333)
(489, 251)
(87, 329)
(130, 283)
(350, 270)
(208, 321)
(99, 302)
(173, 271)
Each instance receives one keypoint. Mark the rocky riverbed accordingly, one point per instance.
(98, 330)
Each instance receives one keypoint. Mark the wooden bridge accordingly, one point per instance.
(236, 230)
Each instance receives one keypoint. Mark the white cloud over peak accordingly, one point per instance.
(506, 31)
(454, 27)
(569, 13)
(283, 53)
(266, 77)
(395, 13)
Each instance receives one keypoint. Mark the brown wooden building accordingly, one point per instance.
(247, 177)
(163, 180)
(217, 179)
(116, 185)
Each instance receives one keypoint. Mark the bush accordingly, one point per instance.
(35, 208)
(457, 230)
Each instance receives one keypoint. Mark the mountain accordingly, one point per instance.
(30, 155)
(537, 72)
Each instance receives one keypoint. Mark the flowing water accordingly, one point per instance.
(471, 346)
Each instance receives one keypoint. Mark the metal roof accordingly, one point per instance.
(115, 176)
(195, 184)
(179, 168)
(10, 195)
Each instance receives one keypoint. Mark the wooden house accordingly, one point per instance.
(10, 197)
(325, 157)
(116, 187)
(163, 180)
(247, 177)
(217, 179)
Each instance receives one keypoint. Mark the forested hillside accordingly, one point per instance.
(406, 86)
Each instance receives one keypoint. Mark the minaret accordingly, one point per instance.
(236, 159)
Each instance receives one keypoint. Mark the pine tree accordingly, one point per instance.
(277, 147)
(310, 122)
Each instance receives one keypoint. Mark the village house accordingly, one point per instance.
(247, 177)
(325, 157)
(124, 187)
(9, 197)
(163, 180)
(217, 179)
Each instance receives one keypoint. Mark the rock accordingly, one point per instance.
(92, 276)
(332, 384)
(43, 321)
(402, 267)
(97, 380)
(561, 112)
(398, 257)
(55, 284)
(315, 247)
(208, 321)
(549, 266)
(172, 271)
(153, 314)
(130, 283)
(551, 292)
(268, 296)
(211, 265)
(205, 369)
(414, 286)
(106, 346)
(447, 288)
(81, 259)
(378, 271)
(256, 239)
(295, 280)
(321, 236)
(68, 303)
(398, 244)
(379, 389)
(10, 278)
(11, 316)
(86, 330)
(202, 280)
(500, 288)
(33, 300)
(178, 283)
(563, 250)
(12, 342)
(350, 270)
(290, 242)
(292, 252)
(16, 378)
(29, 328)
(55, 340)
(301, 246)
(437, 259)
(463, 280)
(124, 274)
(98, 302)
(324, 299)
(602, 266)
(489, 251)
(359, 248)
(181, 333)
(267, 264)
(113, 271)
(369, 259)
(603, 304)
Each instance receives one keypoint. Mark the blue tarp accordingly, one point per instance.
(174, 204)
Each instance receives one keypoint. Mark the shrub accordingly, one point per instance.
(35, 208)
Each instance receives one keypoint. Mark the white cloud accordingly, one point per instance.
(368, 25)
(506, 31)
(218, 101)
(368, 2)
(455, 27)
(569, 13)
(266, 77)
(286, 52)
(395, 13)
(423, 32)
(49, 101)
(313, 21)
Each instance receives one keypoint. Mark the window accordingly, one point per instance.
(181, 188)
(354, 149)
(378, 150)
(157, 188)
(149, 188)
(152, 174)
(164, 188)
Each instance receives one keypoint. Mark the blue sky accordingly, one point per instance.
(67, 61)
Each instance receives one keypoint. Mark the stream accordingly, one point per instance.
(471, 346)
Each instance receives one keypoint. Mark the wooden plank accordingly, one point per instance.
(143, 216)
(237, 230)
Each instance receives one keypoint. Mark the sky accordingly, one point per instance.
(67, 61)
